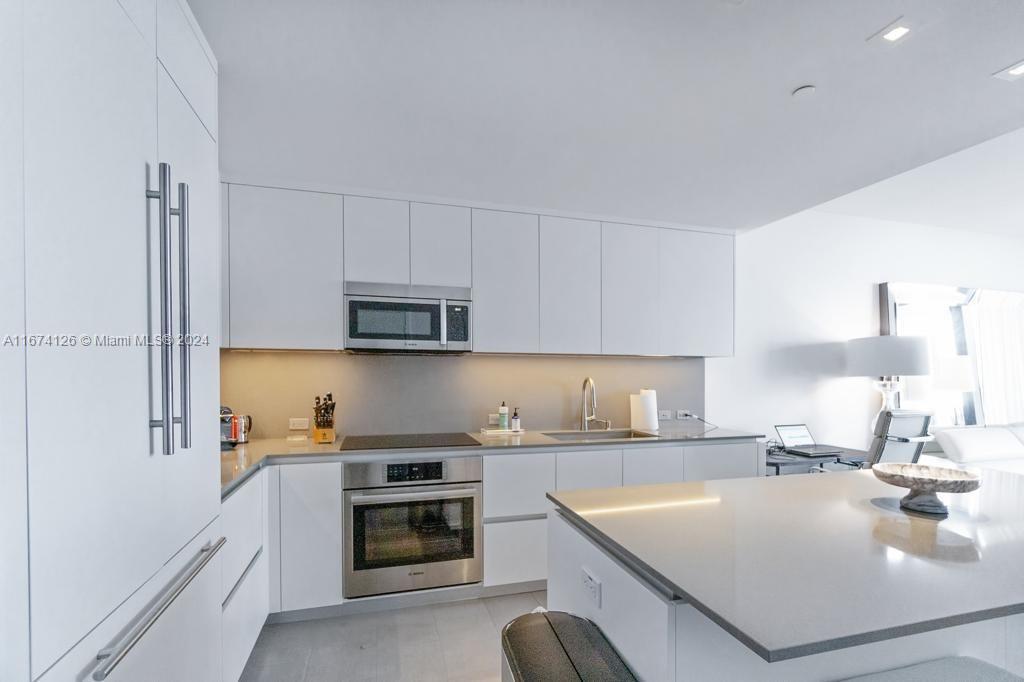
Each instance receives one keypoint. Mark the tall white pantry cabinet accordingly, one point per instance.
(101, 527)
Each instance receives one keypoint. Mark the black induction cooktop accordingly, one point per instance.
(409, 440)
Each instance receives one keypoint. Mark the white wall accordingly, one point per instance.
(808, 282)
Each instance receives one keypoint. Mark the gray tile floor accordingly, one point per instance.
(455, 641)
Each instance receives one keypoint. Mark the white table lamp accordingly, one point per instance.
(887, 358)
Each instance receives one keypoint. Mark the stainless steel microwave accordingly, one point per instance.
(402, 317)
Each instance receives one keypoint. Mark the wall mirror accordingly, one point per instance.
(976, 340)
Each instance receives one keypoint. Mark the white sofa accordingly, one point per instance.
(987, 447)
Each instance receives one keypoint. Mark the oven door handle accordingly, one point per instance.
(413, 497)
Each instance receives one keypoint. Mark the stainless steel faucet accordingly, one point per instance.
(585, 418)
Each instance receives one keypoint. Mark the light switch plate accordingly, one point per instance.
(664, 414)
(298, 423)
(592, 587)
(492, 420)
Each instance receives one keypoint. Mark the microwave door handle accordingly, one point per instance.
(444, 322)
(413, 497)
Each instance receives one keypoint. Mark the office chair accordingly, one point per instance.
(900, 436)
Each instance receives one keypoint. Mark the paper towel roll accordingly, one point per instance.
(643, 411)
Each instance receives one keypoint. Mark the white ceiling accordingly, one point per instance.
(981, 188)
(663, 110)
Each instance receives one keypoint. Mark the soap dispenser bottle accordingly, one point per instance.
(503, 416)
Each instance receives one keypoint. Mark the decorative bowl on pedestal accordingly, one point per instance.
(924, 482)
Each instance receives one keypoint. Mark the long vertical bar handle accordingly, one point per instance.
(166, 421)
(185, 325)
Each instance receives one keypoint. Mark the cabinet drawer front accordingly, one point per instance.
(642, 466)
(589, 469)
(244, 616)
(515, 552)
(183, 642)
(183, 51)
(711, 462)
(242, 520)
(516, 485)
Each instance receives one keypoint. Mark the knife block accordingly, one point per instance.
(323, 436)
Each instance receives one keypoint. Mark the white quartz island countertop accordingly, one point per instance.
(799, 565)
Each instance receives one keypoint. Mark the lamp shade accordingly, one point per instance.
(887, 356)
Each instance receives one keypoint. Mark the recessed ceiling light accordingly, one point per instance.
(1012, 72)
(893, 32)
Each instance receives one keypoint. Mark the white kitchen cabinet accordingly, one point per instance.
(696, 283)
(727, 460)
(187, 56)
(376, 240)
(285, 268)
(311, 535)
(95, 500)
(191, 477)
(630, 300)
(570, 286)
(184, 641)
(589, 469)
(440, 245)
(515, 551)
(505, 282)
(641, 466)
(244, 614)
(117, 510)
(225, 266)
(241, 518)
(517, 484)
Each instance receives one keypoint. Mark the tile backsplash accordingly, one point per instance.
(410, 393)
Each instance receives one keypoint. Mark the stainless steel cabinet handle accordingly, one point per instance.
(412, 497)
(163, 197)
(110, 657)
(184, 325)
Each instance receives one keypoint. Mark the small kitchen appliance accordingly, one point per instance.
(400, 317)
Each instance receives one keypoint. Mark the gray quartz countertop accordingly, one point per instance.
(237, 464)
(797, 565)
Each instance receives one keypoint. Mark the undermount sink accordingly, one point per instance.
(612, 434)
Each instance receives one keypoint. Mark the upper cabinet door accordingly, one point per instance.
(570, 286)
(629, 283)
(376, 240)
(696, 272)
(441, 245)
(505, 282)
(285, 268)
(89, 143)
(187, 56)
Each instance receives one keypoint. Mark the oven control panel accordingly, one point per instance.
(414, 472)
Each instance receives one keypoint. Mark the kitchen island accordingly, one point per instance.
(791, 578)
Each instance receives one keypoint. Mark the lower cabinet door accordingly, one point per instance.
(515, 552)
(245, 612)
(710, 462)
(311, 537)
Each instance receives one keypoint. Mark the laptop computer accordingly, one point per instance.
(797, 439)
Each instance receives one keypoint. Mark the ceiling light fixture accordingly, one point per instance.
(893, 32)
(1011, 73)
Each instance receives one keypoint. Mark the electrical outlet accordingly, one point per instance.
(664, 414)
(592, 586)
(298, 423)
(684, 414)
(492, 420)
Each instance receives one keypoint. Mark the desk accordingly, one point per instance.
(785, 463)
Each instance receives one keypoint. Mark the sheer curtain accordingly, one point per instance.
(994, 323)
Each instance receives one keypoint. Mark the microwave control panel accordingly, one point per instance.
(414, 471)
